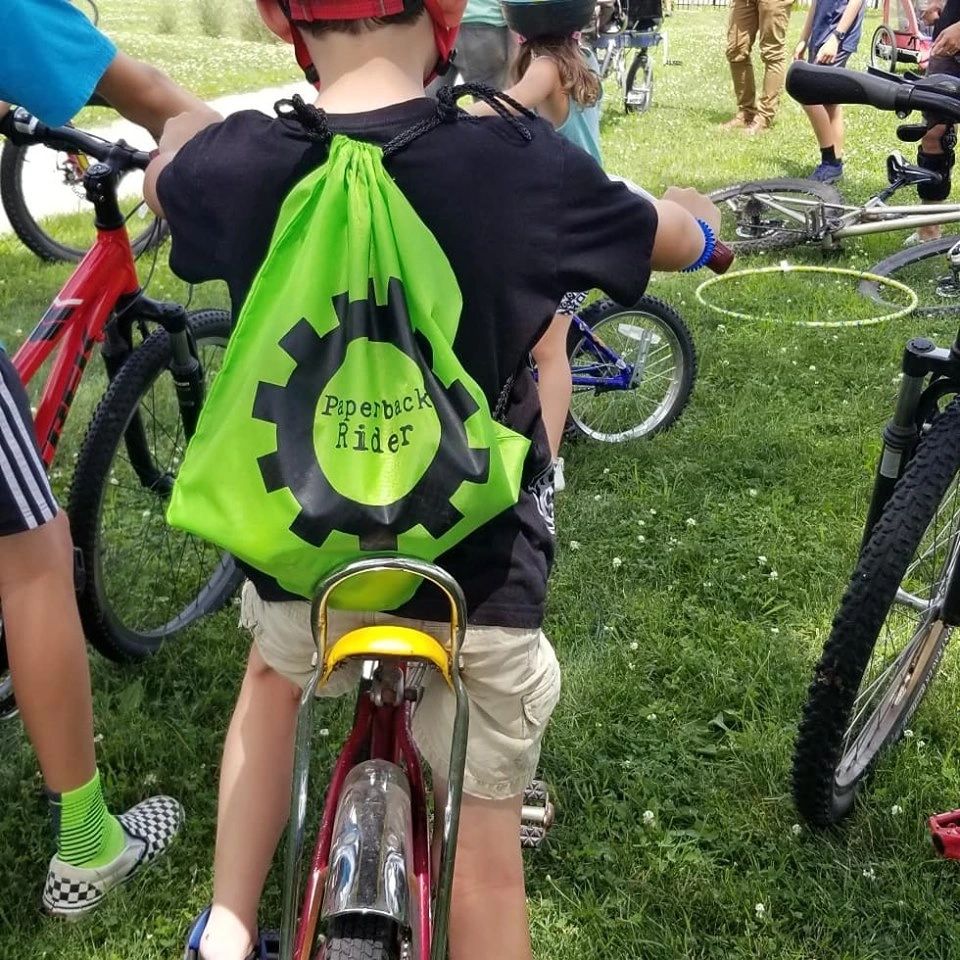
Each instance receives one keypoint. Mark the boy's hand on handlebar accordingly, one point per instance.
(948, 43)
(695, 203)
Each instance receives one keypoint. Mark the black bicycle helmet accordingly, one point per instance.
(538, 19)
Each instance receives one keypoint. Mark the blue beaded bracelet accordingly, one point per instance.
(709, 245)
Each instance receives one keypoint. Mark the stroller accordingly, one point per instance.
(621, 36)
(906, 41)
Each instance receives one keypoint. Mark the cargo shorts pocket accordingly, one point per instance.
(542, 691)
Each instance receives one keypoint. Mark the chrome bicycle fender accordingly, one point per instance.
(371, 866)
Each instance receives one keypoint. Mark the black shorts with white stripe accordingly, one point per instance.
(26, 500)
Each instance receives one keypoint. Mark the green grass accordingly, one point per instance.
(685, 667)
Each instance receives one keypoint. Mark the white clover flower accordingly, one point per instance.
(673, 541)
(760, 910)
(652, 717)
(114, 482)
(145, 513)
(753, 491)
(150, 780)
(631, 666)
(617, 563)
(774, 575)
(908, 734)
(708, 583)
(649, 818)
(653, 513)
(641, 523)
(761, 559)
(691, 522)
(921, 744)
(812, 368)
(574, 544)
(721, 328)
(606, 470)
(774, 630)
(634, 645)
(596, 496)
(324, 732)
(896, 810)
(641, 538)
(870, 873)
(796, 829)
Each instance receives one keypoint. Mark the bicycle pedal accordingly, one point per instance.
(269, 946)
(945, 834)
(536, 816)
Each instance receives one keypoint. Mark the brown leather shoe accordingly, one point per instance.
(739, 122)
(757, 125)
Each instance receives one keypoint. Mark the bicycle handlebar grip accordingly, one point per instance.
(721, 258)
(810, 83)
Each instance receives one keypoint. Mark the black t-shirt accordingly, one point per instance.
(521, 224)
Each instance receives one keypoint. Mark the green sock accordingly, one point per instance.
(87, 834)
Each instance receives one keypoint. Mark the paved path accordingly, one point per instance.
(44, 186)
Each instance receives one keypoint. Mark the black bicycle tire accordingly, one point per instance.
(889, 266)
(892, 67)
(781, 240)
(104, 437)
(359, 937)
(818, 750)
(32, 234)
(631, 76)
(604, 309)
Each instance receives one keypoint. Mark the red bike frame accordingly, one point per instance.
(76, 320)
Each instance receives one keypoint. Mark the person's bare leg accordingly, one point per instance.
(487, 881)
(47, 651)
(835, 115)
(820, 121)
(254, 802)
(931, 144)
(554, 379)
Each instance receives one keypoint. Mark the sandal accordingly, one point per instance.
(267, 948)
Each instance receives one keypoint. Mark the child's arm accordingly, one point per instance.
(176, 133)
(801, 49)
(531, 91)
(680, 239)
(831, 46)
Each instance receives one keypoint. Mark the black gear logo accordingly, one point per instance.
(292, 408)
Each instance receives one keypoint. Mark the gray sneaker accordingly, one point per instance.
(150, 827)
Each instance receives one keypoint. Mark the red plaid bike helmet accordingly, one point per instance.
(445, 14)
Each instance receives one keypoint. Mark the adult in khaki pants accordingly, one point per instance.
(769, 19)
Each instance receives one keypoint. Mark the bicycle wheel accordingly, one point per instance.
(638, 89)
(887, 637)
(925, 268)
(654, 341)
(751, 221)
(354, 937)
(145, 581)
(883, 49)
(54, 183)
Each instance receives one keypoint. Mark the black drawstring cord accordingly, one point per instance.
(312, 120)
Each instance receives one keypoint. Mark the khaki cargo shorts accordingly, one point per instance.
(511, 676)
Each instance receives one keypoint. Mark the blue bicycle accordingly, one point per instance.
(633, 369)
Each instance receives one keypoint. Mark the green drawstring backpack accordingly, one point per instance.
(342, 423)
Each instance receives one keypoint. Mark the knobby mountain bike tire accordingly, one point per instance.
(145, 582)
(923, 268)
(749, 225)
(40, 239)
(834, 751)
(354, 937)
(653, 403)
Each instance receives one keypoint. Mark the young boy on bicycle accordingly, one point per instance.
(521, 222)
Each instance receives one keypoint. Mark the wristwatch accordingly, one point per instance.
(841, 35)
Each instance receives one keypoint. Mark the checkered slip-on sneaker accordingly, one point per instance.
(150, 827)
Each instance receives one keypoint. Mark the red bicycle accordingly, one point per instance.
(141, 581)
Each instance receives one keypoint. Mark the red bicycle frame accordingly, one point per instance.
(76, 320)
